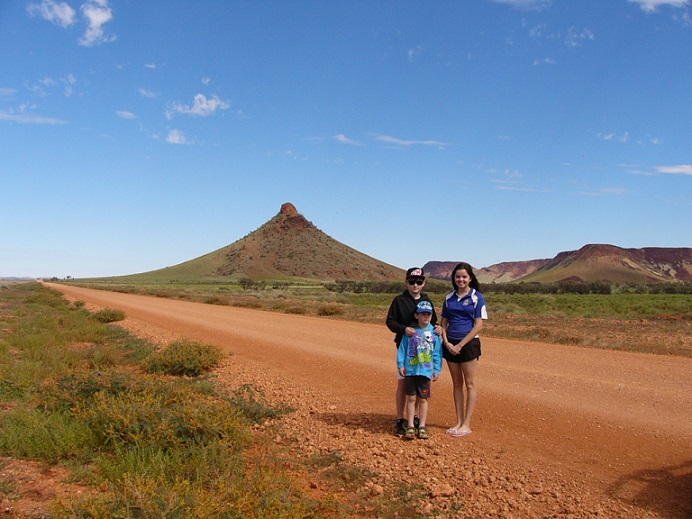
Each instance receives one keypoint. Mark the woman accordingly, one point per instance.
(463, 313)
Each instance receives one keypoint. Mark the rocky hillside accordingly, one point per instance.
(616, 265)
(287, 246)
(592, 262)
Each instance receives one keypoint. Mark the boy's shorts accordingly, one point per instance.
(418, 385)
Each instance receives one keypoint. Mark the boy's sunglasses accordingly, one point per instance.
(417, 281)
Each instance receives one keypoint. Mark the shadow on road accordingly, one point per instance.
(666, 490)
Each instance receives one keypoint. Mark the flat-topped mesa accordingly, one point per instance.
(288, 209)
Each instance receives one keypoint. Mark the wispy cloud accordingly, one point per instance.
(46, 84)
(406, 142)
(513, 187)
(544, 61)
(529, 5)
(201, 106)
(576, 37)
(147, 93)
(652, 5)
(414, 52)
(125, 115)
(623, 137)
(25, 118)
(342, 138)
(681, 169)
(61, 14)
(176, 137)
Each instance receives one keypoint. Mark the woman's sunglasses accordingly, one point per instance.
(418, 281)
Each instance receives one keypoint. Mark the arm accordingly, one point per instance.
(444, 324)
(393, 320)
(401, 356)
(477, 327)
(437, 360)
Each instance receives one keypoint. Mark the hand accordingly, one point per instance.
(435, 377)
(410, 332)
(438, 329)
(402, 372)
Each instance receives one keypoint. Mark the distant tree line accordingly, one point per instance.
(588, 287)
(561, 287)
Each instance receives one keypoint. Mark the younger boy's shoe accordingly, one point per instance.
(400, 428)
(410, 433)
(423, 433)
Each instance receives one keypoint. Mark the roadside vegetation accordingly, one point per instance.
(145, 432)
(649, 318)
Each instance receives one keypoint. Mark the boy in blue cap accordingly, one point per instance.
(401, 321)
(419, 360)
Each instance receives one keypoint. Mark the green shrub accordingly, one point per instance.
(109, 315)
(330, 309)
(40, 435)
(184, 358)
(245, 400)
(162, 415)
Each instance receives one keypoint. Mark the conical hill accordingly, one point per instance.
(287, 246)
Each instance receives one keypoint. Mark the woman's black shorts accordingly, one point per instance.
(470, 351)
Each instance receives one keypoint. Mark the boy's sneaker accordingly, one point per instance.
(416, 422)
(400, 428)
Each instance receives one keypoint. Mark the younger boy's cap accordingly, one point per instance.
(424, 307)
(415, 272)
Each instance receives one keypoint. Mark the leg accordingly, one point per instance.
(410, 408)
(458, 382)
(423, 411)
(400, 397)
(469, 371)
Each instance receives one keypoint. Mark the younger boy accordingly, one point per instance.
(419, 360)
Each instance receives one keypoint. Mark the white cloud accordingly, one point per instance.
(147, 93)
(46, 84)
(405, 142)
(612, 191)
(529, 5)
(206, 80)
(201, 106)
(25, 118)
(150, 65)
(7, 92)
(575, 38)
(544, 61)
(652, 5)
(342, 138)
(60, 14)
(97, 13)
(414, 53)
(682, 169)
(125, 115)
(176, 137)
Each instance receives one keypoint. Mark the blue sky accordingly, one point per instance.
(138, 135)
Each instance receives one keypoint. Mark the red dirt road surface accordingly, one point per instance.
(559, 431)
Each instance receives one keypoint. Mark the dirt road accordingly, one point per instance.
(559, 430)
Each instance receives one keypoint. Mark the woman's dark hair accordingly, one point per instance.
(469, 269)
